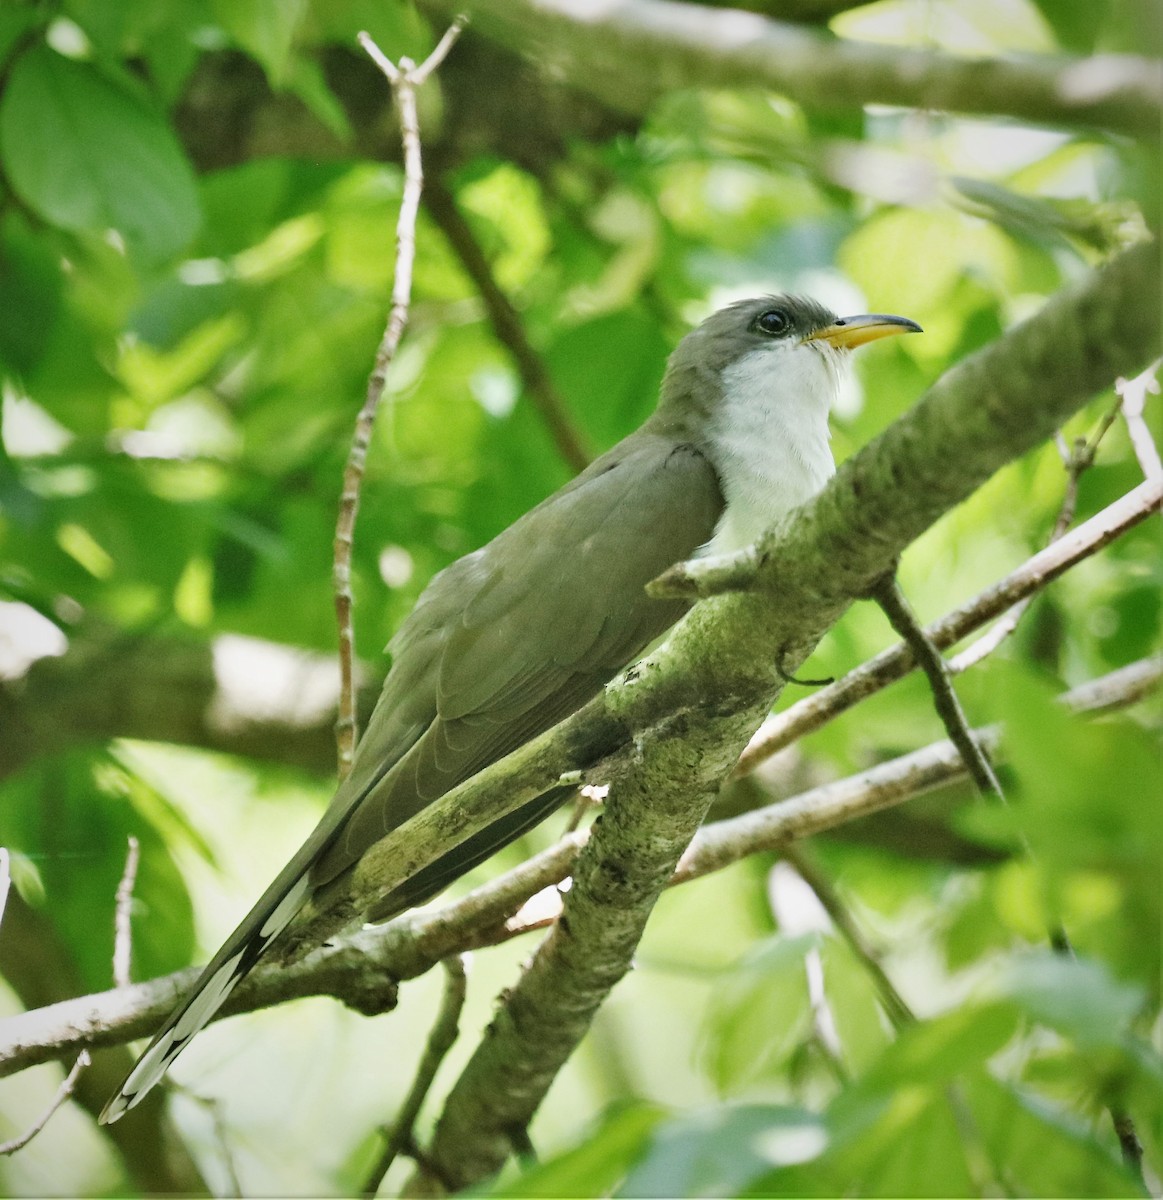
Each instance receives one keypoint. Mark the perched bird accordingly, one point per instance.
(510, 639)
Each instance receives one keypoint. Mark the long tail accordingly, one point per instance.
(276, 909)
(241, 950)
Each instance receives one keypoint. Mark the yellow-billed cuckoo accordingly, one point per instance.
(513, 637)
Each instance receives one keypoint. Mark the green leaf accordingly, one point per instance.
(942, 1047)
(1039, 1149)
(265, 29)
(760, 1014)
(908, 1141)
(1077, 24)
(721, 1151)
(15, 22)
(598, 1165)
(88, 155)
(30, 295)
(1077, 997)
(1079, 801)
(72, 816)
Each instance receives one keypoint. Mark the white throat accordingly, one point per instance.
(769, 437)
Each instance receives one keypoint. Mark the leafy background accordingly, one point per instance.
(196, 211)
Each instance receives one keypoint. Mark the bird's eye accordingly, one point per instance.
(775, 321)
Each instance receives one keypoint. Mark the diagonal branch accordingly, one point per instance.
(666, 734)
(360, 969)
(670, 732)
(62, 1094)
(675, 45)
(707, 688)
(892, 601)
(815, 711)
(507, 325)
(443, 1037)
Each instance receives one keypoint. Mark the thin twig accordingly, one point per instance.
(796, 919)
(213, 1108)
(413, 943)
(1134, 396)
(1076, 460)
(896, 607)
(440, 1041)
(122, 914)
(404, 80)
(1129, 1145)
(897, 1009)
(816, 710)
(892, 600)
(507, 326)
(62, 1094)
(894, 1004)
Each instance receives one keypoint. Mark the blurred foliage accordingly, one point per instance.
(183, 350)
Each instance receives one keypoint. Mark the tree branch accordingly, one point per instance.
(361, 968)
(123, 914)
(507, 326)
(404, 79)
(904, 622)
(683, 715)
(62, 1094)
(813, 712)
(678, 45)
(233, 695)
(442, 1038)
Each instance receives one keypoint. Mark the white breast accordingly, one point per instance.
(769, 438)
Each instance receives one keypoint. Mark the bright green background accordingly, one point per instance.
(183, 351)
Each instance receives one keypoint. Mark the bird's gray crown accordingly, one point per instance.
(693, 371)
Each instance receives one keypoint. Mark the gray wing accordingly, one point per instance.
(511, 639)
(502, 645)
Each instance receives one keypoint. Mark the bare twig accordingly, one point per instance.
(903, 620)
(440, 1041)
(507, 326)
(785, 895)
(213, 1109)
(894, 1004)
(1134, 396)
(404, 80)
(1076, 460)
(122, 917)
(62, 1094)
(1129, 1145)
(413, 943)
(817, 710)
(1117, 689)
(892, 600)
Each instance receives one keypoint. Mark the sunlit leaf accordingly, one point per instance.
(88, 155)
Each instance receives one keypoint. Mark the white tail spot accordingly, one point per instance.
(209, 999)
(286, 908)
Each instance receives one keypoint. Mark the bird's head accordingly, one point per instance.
(777, 345)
